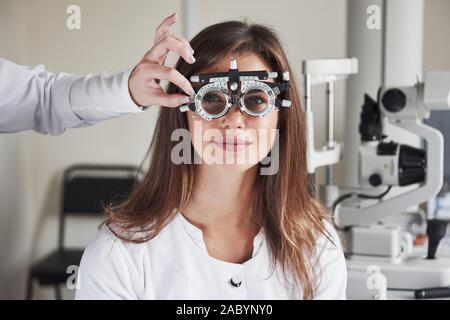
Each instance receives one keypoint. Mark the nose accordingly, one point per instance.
(234, 118)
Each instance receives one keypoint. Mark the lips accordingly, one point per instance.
(232, 140)
(232, 143)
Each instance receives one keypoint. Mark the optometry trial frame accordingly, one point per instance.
(248, 90)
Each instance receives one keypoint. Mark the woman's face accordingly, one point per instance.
(236, 141)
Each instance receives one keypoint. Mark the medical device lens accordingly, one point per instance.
(214, 102)
(256, 100)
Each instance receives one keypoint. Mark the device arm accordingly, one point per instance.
(351, 216)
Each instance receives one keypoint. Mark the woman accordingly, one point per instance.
(213, 230)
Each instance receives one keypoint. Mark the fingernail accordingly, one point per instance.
(184, 100)
(192, 59)
(192, 51)
(191, 92)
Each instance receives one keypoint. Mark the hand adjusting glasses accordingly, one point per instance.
(247, 90)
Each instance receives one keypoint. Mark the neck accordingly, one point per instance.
(221, 200)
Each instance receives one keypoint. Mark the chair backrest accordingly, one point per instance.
(86, 189)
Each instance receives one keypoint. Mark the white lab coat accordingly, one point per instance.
(176, 265)
(32, 98)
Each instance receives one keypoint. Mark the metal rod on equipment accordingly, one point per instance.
(330, 128)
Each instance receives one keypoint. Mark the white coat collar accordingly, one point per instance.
(182, 244)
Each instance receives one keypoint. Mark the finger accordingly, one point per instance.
(169, 43)
(169, 100)
(165, 25)
(162, 59)
(160, 36)
(166, 73)
(185, 41)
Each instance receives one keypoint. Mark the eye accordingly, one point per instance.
(214, 102)
(256, 100)
(212, 97)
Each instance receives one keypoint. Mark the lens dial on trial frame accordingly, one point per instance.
(257, 98)
(253, 96)
(212, 100)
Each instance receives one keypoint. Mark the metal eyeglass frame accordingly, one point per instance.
(228, 82)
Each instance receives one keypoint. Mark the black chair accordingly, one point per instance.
(85, 190)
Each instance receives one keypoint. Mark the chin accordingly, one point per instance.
(234, 168)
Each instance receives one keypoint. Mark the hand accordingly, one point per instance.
(144, 80)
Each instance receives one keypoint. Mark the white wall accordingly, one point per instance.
(12, 180)
(114, 36)
(436, 55)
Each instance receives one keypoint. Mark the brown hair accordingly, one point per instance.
(293, 218)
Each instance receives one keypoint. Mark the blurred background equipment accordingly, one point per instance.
(385, 179)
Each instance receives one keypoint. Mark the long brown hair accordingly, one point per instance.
(292, 216)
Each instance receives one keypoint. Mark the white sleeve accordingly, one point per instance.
(32, 98)
(106, 271)
(100, 97)
(332, 269)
